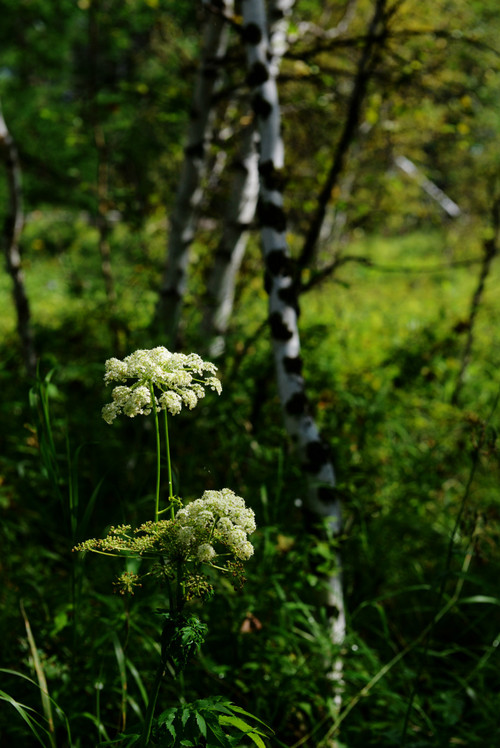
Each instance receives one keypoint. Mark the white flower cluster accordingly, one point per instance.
(179, 377)
(218, 517)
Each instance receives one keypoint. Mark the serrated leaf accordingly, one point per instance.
(202, 725)
(219, 735)
(185, 717)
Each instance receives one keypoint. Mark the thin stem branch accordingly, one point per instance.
(158, 454)
(169, 465)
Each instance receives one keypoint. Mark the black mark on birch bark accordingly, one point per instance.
(326, 494)
(279, 330)
(289, 297)
(251, 33)
(197, 150)
(261, 106)
(276, 14)
(317, 454)
(332, 612)
(274, 179)
(292, 365)
(278, 262)
(297, 404)
(272, 216)
(257, 74)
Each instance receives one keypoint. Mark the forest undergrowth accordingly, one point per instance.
(417, 473)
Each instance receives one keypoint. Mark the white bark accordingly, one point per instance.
(231, 249)
(13, 227)
(313, 451)
(190, 191)
(243, 202)
(437, 194)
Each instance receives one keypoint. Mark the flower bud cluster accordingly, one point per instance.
(178, 377)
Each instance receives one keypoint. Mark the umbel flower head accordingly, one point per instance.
(173, 379)
(212, 530)
(220, 519)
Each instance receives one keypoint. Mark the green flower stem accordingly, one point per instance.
(179, 592)
(176, 604)
(158, 454)
(169, 465)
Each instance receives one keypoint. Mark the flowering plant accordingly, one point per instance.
(179, 379)
(209, 532)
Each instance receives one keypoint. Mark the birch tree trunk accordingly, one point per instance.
(189, 194)
(314, 453)
(243, 202)
(229, 255)
(14, 223)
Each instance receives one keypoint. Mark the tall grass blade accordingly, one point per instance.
(24, 712)
(42, 682)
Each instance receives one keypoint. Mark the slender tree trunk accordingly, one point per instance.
(189, 194)
(231, 249)
(14, 223)
(313, 452)
(490, 251)
(243, 202)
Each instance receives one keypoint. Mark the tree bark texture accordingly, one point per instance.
(283, 309)
(241, 212)
(243, 202)
(14, 223)
(190, 192)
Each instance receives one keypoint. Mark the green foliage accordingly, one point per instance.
(214, 721)
(403, 455)
(182, 635)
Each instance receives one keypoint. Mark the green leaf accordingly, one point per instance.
(23, 710)
(256, 739)
(202, 725)
(247, 714)
(219, 735)
(240, 724)
(481, 599)
(166, 719)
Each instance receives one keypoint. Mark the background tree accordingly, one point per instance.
(14, 222)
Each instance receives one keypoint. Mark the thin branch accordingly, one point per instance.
(333, 44)
(366, 65)
(325, 272)
(490, 250)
